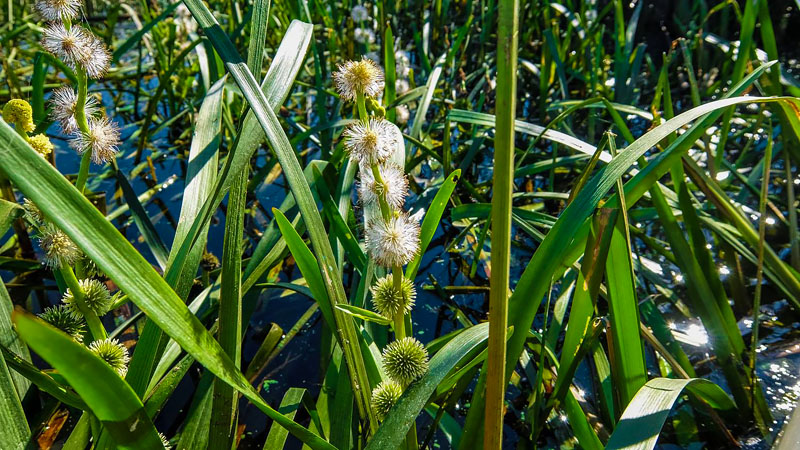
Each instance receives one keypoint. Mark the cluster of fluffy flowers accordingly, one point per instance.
(76, 113)
(391, 235)
(402, 83)
(363, 32)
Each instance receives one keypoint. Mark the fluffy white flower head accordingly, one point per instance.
(359, 13)
(57, 10)
(364, 36)
(394, 242)
(102, 140)
(370, 145)
(403, 114)
(77, 47)
(402, 63)
(394, 187)
(98, 59)
(354, 77)
(64, 100)
(72, 46)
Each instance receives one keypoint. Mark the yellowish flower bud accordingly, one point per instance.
(41, 143)
(19, 113)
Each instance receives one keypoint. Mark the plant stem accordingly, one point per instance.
(96, 328)
(399, 326)
(794, 242)
(361, 103)
(507, 29)
(399, 318)
(83, 126)
(762, 207)
(386, 212)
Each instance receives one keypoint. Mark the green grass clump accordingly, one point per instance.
(315, 208)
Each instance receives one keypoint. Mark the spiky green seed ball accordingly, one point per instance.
(32, 212)
(390, 301)
(62, 318)
(59, 250)
(384, 396)
(113, 353)
(96, 297)
(405, 360)
(90, 269)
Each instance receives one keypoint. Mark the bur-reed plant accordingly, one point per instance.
(382, 185)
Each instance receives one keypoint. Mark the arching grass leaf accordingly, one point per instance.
(641, 423)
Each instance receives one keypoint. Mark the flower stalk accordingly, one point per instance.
(97, 140)
(400, 317)
(392, 239)
(361, 104)
(380, 186)
(83, 127)
(96, 328)
(502, 191)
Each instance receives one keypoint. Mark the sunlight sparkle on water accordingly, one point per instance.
(697, 333)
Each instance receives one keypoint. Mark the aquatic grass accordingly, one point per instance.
(243, 244)
(502, 189)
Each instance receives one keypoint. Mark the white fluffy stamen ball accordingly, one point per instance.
(394, 187)
(56, 10)
(72, 46)
(64, 101)
(102, 140)
(354, 77)
(394, 242)
(370, 145)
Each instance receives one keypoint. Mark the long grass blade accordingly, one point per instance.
(15, 433)
(558, 243)
(200, 176)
